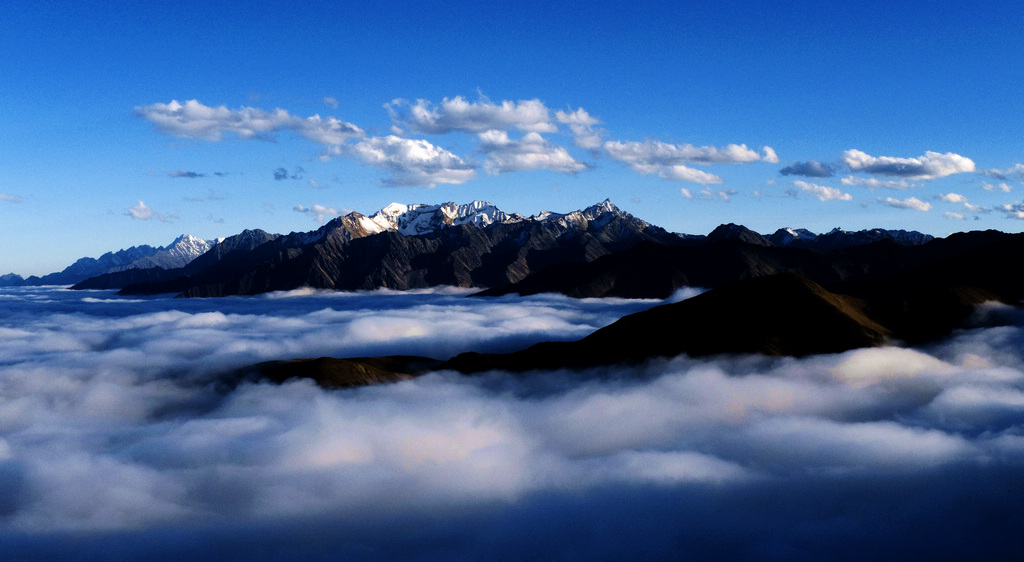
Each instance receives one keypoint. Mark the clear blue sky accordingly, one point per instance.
(128, 123)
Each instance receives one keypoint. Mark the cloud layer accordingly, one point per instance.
(410, 161)
(116, 438)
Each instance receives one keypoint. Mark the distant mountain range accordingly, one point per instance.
(413, 246)
(177, 254)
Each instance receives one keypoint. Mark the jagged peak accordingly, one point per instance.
(605, 206)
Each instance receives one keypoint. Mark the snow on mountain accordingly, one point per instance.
(417, 219)
(188, 247)
(788, 236)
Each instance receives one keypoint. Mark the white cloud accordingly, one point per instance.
(582, 125)
(769, 155)
(1003, 186)
(909, 203)
(331, 101)
(457, 114)
(952, 197)
(318, 212)
(680, 173)
(822, 192)
(532, 152)
(197, 121)
(686, 193)
(930, 166)
(411, 162)
(10, 198)
(119, 442)
(1013, 210)
(666, 154)
(669, 160)
(141, 211)
(953, 216)
(873, 183)
(958, 198)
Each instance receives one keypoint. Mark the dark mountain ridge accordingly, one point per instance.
(357, 252)
(477, 245)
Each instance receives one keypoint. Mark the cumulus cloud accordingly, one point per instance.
(10, 198)
(953, 216)
(874, 183)
(457, 114)
(319, 213)
(141, 211)
(810, 169)
(583, 128)
(411, 162)
(532, 152)
(117, 442)
(822, 192)
(194, 120)
(908, 203)
(930, 166)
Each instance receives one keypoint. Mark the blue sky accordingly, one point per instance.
(130, 124)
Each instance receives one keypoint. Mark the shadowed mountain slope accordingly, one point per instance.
(776, 315)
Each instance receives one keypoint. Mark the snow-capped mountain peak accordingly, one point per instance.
(415, 219)
(188, 247)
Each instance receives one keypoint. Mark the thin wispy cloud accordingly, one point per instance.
(1002, 186)
(188, 174)
(875, 183)
(1015, 171)
(10, 198)
(319, 213)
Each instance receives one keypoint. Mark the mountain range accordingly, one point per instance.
(415, 246)
(177, 254)
(792, 292)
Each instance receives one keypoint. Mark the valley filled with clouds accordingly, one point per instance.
(122, 437)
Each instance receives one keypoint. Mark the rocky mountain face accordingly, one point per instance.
(404, 247)
(450, 252)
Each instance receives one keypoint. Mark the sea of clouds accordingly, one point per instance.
(120, 439)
